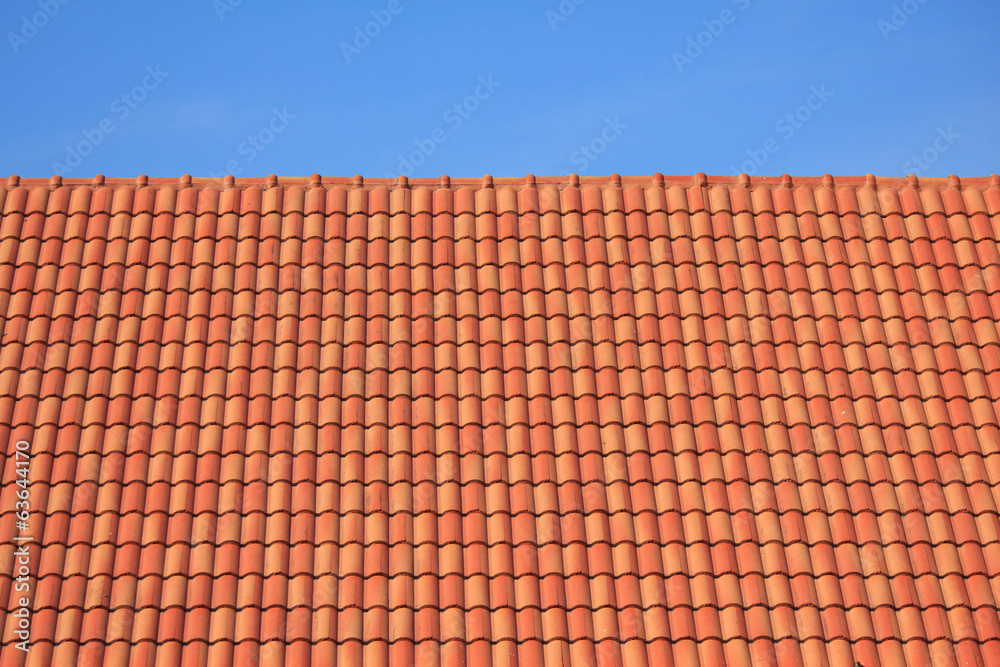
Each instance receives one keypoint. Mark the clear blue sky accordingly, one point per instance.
(594, 87)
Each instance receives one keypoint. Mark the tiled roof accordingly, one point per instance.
(616, 422)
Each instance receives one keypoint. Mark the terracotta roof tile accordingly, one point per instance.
(508, 421)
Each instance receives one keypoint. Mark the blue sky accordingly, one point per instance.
(383, 87)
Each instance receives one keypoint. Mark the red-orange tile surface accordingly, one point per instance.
(609, 421)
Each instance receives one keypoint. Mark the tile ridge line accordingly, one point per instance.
(740, 181)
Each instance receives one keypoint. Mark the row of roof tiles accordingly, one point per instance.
(974, 196)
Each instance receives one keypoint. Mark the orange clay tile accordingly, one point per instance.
(599, 421)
